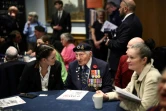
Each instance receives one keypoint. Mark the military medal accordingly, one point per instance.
(94, 85)
(95, 81)
(100, 82)
(92, 73)
(89, 82)
(95, 73)
(98, 73)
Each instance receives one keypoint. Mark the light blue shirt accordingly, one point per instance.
(29, 31)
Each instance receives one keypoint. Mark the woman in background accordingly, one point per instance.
(43, 74)
(100, 50)
(67, 52)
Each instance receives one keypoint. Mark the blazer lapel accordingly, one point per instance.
(51, 77)
(78, 77)
(38, 79)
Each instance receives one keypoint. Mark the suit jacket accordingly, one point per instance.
(21, 47)
(123, 74)
(31, 80)
(64, 22)
(146, 88)
(74, 82)
(129, 28)
(115, 18)
(10, 73)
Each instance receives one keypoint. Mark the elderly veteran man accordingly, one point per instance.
(87, 72)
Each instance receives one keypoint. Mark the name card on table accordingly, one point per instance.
(12, 101)
(76, 95)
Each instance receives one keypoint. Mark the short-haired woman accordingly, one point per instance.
(143, 82)
(67, 52)
(43, 74)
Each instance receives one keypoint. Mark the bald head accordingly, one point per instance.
(11, 53)
(134, 40)
(130, 4)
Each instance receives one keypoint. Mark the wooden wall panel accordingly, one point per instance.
(152, 14)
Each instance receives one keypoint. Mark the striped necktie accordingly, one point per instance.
(84, 77)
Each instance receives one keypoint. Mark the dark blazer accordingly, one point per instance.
(10, 73)
(21, 45)
(31, 81)
(129, 28)
(64, 22)
(74, 82)
(123, 74)
(115, 18)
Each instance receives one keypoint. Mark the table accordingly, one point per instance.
(49, 103)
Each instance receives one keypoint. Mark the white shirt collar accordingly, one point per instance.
(89, 63)
(126, 16)
(45, 79)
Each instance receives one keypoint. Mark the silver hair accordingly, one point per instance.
(68, 37)
(144, 51)
(88, 52)
(11, 54)
(34, 16)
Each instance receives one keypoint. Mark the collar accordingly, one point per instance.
(89, 63)
(48, 69)
(15, 43)
(126, 16)
(60, 11)
(144, 71)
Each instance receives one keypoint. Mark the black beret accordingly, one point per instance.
(40, 28)
(82, 47)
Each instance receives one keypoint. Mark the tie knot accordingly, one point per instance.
(85, 67)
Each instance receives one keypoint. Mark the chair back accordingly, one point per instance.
(10, 74)
(159, 56)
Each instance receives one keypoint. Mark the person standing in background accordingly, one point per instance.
(60, 23)
(113, 13)
(130, 27)
(99, 50)
(9, 22)
(29, 29)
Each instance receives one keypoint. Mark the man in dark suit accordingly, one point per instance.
(113, 13)
(130, 27)
(10, 73)
(16, 41)
(87, 72)
(61, 22)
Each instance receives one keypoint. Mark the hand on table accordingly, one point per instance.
(105, 96)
